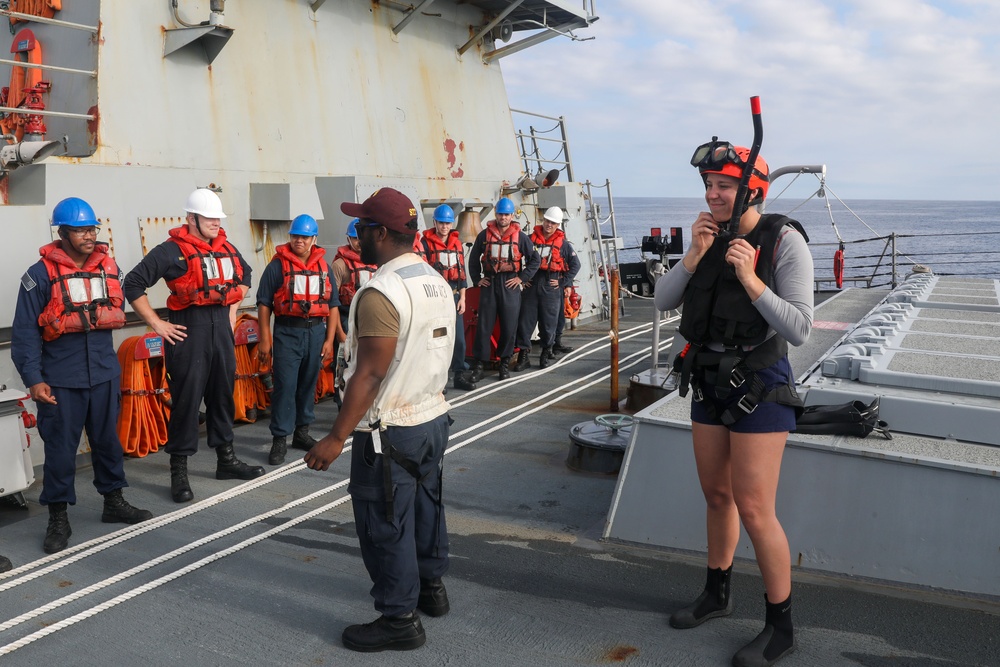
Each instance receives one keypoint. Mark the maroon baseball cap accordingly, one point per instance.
(389, 208)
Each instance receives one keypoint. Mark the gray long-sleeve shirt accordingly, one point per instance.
(788, 309)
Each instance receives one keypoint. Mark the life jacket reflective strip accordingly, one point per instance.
(501, 252)
(445, 256)
(305, 287)
(82, 298)
(358, 273)
(214, 272)
(549, 249)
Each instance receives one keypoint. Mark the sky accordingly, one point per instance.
(899, 98)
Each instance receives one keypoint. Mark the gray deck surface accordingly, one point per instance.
(530, 584)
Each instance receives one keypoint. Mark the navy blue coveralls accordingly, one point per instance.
(541, 303)
(387, 547)
(203, 365)
(83, 371)
(498, 300)
(297, 355)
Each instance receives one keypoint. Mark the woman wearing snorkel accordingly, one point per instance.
(746, 289)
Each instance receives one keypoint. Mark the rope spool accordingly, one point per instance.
(142, 422)
(249, 393)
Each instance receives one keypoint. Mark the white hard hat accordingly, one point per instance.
(206, 203)
(554, 214)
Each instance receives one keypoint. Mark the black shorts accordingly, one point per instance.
(769, 417)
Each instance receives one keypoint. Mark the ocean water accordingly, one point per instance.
(951, 237)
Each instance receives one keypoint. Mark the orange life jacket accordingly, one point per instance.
(213, 273)
(357, 273)
(445, 256)
(82, 298)
(549, 249)
(305, 287)
(501, 253)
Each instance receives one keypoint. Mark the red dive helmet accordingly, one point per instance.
(721, 157)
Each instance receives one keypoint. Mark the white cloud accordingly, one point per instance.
(892, 95)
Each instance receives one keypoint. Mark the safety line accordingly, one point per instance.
(80, 551)
(635, 358)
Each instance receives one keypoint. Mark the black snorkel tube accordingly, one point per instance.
(741, 203)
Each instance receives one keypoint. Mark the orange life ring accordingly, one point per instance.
(838, 267)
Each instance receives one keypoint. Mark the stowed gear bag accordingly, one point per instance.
(854, 418)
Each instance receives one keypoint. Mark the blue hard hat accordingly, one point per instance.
(304, 225)
(444, 213)
(74, 212)
(352, 229)
(505, 206)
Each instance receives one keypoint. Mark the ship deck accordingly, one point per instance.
(268, 572)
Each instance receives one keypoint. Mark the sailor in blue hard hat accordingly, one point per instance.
(501, 260)
(68, 304)
(297, 288)
(441, 248)
(349, 272)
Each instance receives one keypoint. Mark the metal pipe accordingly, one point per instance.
(892, 238)
(398, 28)
(656, 338)
(614, 339)
(42, 19)
(177, 16)
(38, 112)
(263, 238)
(18, 63)
(565, 141)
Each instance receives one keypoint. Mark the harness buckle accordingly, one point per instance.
(745, 406)
(697, 396)
(736, 378)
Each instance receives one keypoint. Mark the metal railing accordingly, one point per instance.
(531, 142)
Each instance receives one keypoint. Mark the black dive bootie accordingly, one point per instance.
(118, 510)
(180, 489)
(386, 633)
(5, 564)
(775, 641)
(58, 531)
(714, 601)
(230, 467)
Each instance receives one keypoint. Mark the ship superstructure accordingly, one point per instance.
(283, 107)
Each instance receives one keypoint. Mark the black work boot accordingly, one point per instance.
(463, 381)
(230, 467)
(505, 368)
(301, 438)
(58, 532)
(386, 633)
(278, 450)
(180, 489)
(118, 510)
(713, 602)
(775, 641)
(477, 372)
(545, 357)
(560, 348)
(5, 564)
(433, 599)
(523, 360)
